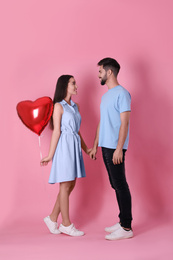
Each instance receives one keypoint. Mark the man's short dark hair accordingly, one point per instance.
(109, 63)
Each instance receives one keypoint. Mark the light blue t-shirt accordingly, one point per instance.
(114, 102)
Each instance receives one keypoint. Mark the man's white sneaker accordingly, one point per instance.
(119, 234)
(113, 228)
(52, 226)
(71, 230)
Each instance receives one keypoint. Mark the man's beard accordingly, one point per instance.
(103, 81)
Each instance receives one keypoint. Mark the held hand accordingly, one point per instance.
(45, 161)
(88, 151)
(117, 157)
(92, 154)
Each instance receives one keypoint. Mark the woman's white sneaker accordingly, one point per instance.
(52, 226)
(120, 233)
(71, 230)
(113, 228)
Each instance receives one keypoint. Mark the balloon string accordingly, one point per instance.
(39, 141)
(43, 179)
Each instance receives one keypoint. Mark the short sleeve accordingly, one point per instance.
(124, 101)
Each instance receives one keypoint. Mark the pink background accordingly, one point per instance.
(40, 40)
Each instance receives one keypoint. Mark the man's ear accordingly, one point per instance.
(109, 72)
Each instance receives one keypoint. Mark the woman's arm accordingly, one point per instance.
(57, 115)
(83, 145)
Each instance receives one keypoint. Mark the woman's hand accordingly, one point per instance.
(45, 161)
(88, 150)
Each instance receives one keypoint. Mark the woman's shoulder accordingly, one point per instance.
(58, 106)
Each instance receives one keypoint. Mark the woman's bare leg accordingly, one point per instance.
(56, 210)
(65, 190)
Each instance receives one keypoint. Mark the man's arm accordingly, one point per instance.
(93, 152)
(118, 154)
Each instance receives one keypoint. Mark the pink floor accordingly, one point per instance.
(33, 241)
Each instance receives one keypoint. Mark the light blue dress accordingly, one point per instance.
(67, 163)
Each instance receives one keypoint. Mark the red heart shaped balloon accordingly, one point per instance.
(35, 114)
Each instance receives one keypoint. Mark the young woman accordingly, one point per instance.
(65, 153)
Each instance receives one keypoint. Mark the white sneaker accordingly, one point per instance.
(52, 226)
(71, 230)
(113, 228)
(119, 234)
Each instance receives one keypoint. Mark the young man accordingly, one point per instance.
(112, 136)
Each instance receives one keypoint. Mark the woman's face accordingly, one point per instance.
(72, 87)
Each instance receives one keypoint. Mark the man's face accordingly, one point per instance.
(102, 75)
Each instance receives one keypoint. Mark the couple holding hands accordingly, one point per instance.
(112, 136)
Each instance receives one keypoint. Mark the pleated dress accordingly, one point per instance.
(67, 162)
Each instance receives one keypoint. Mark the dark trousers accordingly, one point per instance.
(119, 184)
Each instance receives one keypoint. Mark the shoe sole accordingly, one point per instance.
(112, 239)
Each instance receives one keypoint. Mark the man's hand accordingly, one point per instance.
(117, 157)
(92, 154)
